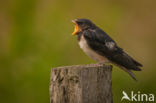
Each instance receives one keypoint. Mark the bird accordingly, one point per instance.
(99, 46)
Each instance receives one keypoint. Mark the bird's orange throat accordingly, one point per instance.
(77, 28)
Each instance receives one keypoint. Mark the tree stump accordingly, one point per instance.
(81, 84)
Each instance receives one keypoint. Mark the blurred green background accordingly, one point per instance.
(35, 35)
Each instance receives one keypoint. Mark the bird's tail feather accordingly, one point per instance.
(130, 73)
(127, 70)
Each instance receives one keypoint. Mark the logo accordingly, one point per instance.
(138, 96)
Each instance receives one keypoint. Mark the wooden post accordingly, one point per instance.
(81, 84)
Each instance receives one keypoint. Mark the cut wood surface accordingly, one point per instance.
(81, 84)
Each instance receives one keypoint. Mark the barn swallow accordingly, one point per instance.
(102, 48)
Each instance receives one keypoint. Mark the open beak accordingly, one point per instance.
(77, 29)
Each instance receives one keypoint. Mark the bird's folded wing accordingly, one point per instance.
(102, 44)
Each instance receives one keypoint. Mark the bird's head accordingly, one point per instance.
(81, 25)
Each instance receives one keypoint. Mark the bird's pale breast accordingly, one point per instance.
(91, 53)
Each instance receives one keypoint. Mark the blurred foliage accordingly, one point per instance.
(35, 35)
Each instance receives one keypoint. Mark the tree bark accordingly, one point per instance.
(81, 84)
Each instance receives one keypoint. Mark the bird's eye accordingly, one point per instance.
(80, 23)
